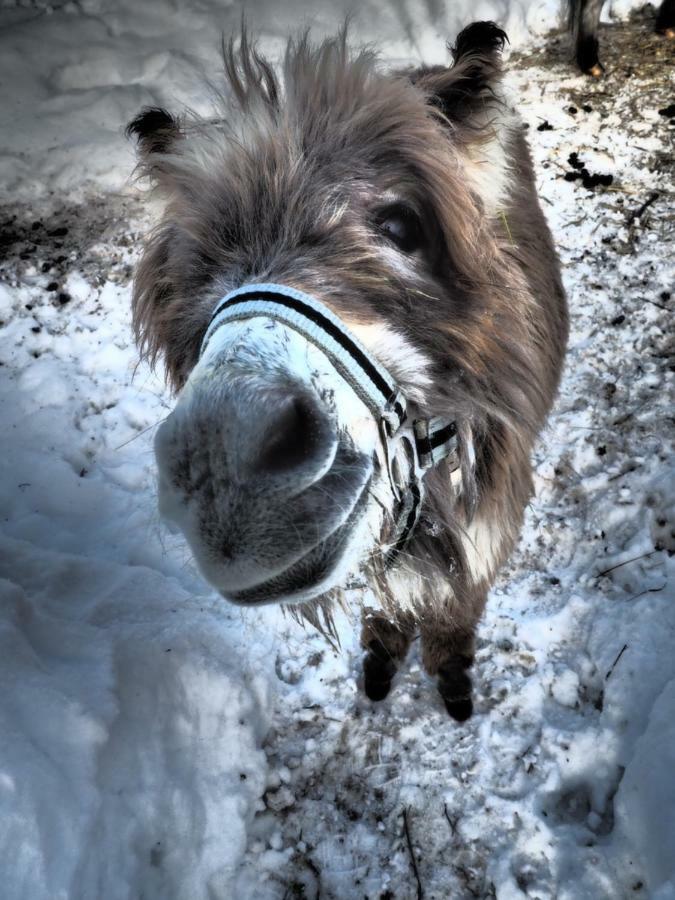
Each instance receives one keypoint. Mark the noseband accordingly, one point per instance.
(423, 443)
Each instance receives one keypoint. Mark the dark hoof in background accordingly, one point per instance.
(378, 671)
(665, 19)
(587, 57)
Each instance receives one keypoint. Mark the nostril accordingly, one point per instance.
(296, 434)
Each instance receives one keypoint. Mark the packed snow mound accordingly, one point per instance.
(130, 755)
(645, 802)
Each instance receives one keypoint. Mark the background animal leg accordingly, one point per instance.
(386, 643)
(665, 19)
(585, 17)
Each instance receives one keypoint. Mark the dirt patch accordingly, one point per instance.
(97, 239)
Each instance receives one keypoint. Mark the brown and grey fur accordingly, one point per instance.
(280, 185)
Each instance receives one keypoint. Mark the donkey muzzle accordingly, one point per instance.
(264, 465)
(266, 461)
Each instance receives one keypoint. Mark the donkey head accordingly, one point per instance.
(375, 196)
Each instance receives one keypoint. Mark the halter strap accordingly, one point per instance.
(425, 442)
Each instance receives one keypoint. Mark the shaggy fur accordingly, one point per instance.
(284, 184)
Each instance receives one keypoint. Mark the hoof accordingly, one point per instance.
(587, 57)
(376, 690)
(665, 20)
(378, 671)
(454, 686)
(459, 710)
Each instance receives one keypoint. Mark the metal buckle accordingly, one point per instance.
(400, 449)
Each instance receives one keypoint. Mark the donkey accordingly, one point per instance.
(584, 19)
(355, 291)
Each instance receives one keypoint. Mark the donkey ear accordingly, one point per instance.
(479, 37)
(156, 132)
(468, 97)
(461, 90)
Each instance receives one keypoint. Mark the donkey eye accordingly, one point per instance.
(401, 225)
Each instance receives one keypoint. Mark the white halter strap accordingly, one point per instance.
(425, 442)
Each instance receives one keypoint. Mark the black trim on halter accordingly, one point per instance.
(430, 441)
(399, 544)
(342, 337)
(442, 435)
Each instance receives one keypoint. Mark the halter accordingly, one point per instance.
(423, 443)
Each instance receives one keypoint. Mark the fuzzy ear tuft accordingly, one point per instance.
(484, 38)
(461, 90)
(155, 129)
(467, 95)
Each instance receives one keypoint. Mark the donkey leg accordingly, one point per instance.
(585, 15)
(448, 653)
(665, 19)
(386, 643)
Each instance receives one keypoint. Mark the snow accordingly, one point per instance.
(79, 71)
(155, 742)
(644, 795)
(126, 709)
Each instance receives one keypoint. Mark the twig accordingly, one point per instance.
(312, 866)
(576, 221)
(452, 823)
(654, 303)
(645, 206)
(420, 893)
(625, 563)
(623, 189)
(158, 422)
(648, 591)
(622, 473)
(620, 654)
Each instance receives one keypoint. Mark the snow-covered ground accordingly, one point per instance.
(157, 743)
